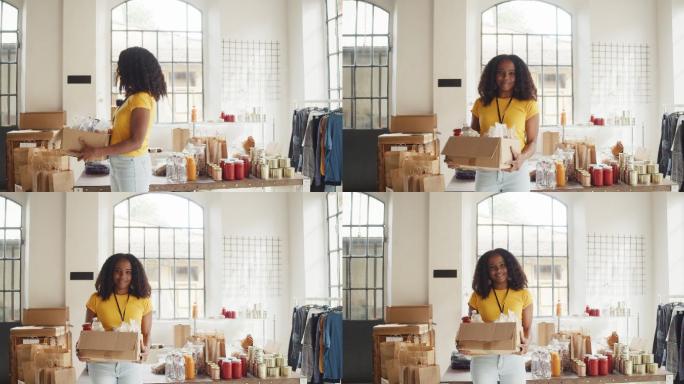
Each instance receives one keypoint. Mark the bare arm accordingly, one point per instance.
(89, 316)
(526, 325)
(532, 133)
(140, 118)
(475, 123)
(146, 328)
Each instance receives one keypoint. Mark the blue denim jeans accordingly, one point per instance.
(131, 174)
(493, 369)
(498, 181)
(115, 373)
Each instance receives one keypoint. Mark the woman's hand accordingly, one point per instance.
(523, 345)
(144, 351)
(517, 162)
(87, 152)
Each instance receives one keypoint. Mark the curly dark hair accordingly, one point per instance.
(516, 276)
(139, 71)
(524, 85)
(104, 284)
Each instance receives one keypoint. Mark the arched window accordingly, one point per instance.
(333, 9)
(541, 34)
(172, 31)
(166, 232)
(9, 63)
(366, 46)
(10, 260)
(356, 245)
(534, 227)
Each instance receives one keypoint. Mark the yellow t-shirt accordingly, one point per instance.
(108, 314)
(515, 117)
(488, 308)
(122, 120)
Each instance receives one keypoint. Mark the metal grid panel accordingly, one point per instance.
(620, 75)
(164, 235)
(197, 97)
(9, 66)
(251, 72)
(252, 267)
(615, 266)
(11, 256)
(546, 70)
(377, 67)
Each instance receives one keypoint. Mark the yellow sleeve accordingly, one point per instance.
(532, 109)
(476, 108)
(527, 298)
(473, 301)
(147, 306)
(140, 100)
(92, 302)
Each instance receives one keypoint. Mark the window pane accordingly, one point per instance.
(545, 272)
(164, 110)
(564, 23)
(358, 272)
(546, 304)
(376, 211)
(194, 19)
(181, 244)
(182, 274)
(381, 22)
(550, 115)
(10, 17)
(364, 23)
(550, 50)
(564, 50)
(545, 241)
(380, 50)
(527, 17)
(180, 46)
(358, 242)
(197, 243)
(332, 37)
(166, 243)
(150, 42)
(2, 211)
(121, 240)
(550, 84)
(363, 111)
(560, 241)
(500, 237)
(334, 268)
(196, 216)
(530, 267)
(180, 105)
(13, 214)
(347, 81)
(4, 74)
(152, 272)
(520, 46)
(505, 45)
(197, 297)
(359, 305)
(332, 234)
(360, 209)
(194, 80)
(166, 304)
(363, 50)
(560, 272)
(137, 242)
(349, 19)
(530, 241)
(534, 45)
(379, 273)
(484, 239)
(134, 39)
(165, 41)
(515, 240)
(565, 82)
(489, 21)
(375, 241)
(488, 48)
(166, 273)
(119, 17)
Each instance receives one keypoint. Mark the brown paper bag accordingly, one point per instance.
(52, 357)
(432, 183)
(550, 142)
(180, 138)
(417, 355)
(545, 332)
(398, 177)
(61, 181)
(427, 375)
(181, 332)
(65, 376)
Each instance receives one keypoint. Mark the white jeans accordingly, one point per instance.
(131, 174)
(505, 369)
(115, 373)
(499, 181)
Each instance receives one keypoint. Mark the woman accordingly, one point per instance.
(507, 96)
(123, 294)
(141, 79)
(500, 287)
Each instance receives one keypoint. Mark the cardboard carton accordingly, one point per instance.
(109, 346)
(480, 153)
(489, 338)
(71, 140)
(46, 121)
(45, 316)
(413, 124)
(408, 314)
(400, 329)
(33, 331)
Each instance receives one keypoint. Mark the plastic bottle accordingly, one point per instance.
(97, 325)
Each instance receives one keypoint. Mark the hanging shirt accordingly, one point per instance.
(131, 307)
(334, 156)
(121, 131)
(332, 371)
(515, 115)
(489, 308)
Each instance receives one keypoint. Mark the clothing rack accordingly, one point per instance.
(307, 103)
(307, 300)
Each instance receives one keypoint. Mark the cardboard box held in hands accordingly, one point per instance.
(109, 346)
(71, 140)
(489, 338)
(480, 153)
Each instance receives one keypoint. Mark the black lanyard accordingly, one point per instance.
(500, 305)
(498, 111)
(119, 308)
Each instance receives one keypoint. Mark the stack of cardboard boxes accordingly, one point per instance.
(41, 348)
(409, 155)
(42, 170)
(404, 348)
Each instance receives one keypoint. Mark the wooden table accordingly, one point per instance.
(41, 139)
(666, 186)
(87, 183)
(455, 376)
(151, 378)
(420, 142)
